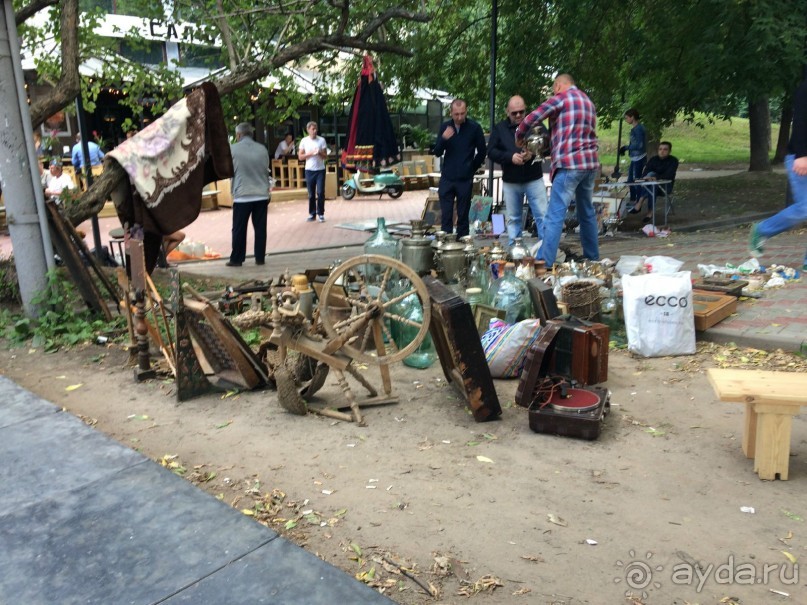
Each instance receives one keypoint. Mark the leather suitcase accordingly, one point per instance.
(456, 339)
(536, 365)
(580, 351)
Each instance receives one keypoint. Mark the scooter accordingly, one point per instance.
(383, 182)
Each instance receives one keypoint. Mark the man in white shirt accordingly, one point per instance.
(285, 147)
(55, 180)
(313, 151)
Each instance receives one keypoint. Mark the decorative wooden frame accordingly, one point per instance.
(483, 314)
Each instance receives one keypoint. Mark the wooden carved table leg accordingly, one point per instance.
(144, 371)
(354, 408)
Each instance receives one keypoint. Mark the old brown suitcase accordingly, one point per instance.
(580, 351)
(461, 355)
(536, 365)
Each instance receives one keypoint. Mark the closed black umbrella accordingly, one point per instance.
(371, 141)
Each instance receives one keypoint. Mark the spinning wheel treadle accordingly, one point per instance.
(371, 307)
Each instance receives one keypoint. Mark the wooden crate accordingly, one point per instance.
(711, 308)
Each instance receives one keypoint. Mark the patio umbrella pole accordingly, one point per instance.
(493, 26)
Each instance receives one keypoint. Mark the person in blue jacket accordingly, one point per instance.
(637, 152)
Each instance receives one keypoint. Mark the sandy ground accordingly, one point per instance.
(652, 508)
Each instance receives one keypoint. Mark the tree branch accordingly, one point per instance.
(69, 84)
(392, 13)
(28, 11)
(226, 36)
(256, 71)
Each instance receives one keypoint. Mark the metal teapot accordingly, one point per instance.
(538, 141)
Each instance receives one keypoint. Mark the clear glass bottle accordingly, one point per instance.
(403, 333)
(380, 243)
(511, 295)
(473, 296)
(479, 276)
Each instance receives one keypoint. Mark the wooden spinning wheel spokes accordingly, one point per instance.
(372, 307)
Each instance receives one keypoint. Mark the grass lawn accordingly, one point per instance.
(722, 142)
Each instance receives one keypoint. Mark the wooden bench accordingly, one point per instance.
(210, 199)
(771, 400)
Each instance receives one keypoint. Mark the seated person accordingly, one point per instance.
(661, 167)
(286, 147)
(172, 240)
(55, 180)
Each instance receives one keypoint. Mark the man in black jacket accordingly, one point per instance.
(521, 172)
(661, 167)
(463, 143)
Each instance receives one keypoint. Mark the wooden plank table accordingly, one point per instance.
(771, 400)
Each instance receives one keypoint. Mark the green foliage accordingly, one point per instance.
(9, 285)
(59, 324)
(251, 337)
(422, 138)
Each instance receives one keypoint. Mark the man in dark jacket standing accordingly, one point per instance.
(521, 172)
(463, 143)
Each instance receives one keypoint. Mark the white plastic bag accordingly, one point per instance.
(663, 264)
(659, 314)
(628, 265)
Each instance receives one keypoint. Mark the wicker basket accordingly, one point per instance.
(583, 299)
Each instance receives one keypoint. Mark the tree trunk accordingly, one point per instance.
(784, 129)
(759, 125)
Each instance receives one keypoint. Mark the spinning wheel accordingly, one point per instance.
(370, 289)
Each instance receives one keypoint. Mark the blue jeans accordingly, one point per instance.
(570, 185)
(635, 172)
(514, 206)
(315, 182)
(794, 214)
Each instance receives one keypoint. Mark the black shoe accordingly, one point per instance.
(230, 263)
(647, 219)
(260, 262)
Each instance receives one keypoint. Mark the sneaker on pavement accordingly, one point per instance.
(311, 218)
(755, 241)
(321, 218)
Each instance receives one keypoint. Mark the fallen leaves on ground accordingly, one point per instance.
(484, 583)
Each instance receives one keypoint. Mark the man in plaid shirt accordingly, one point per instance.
(575, 164)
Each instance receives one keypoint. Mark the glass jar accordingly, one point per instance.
(473, 296)
(404, 333)
(518, 250)
(511, 295)
(381, 243)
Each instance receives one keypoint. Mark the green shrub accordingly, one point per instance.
(64, 320)
(9, 284)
